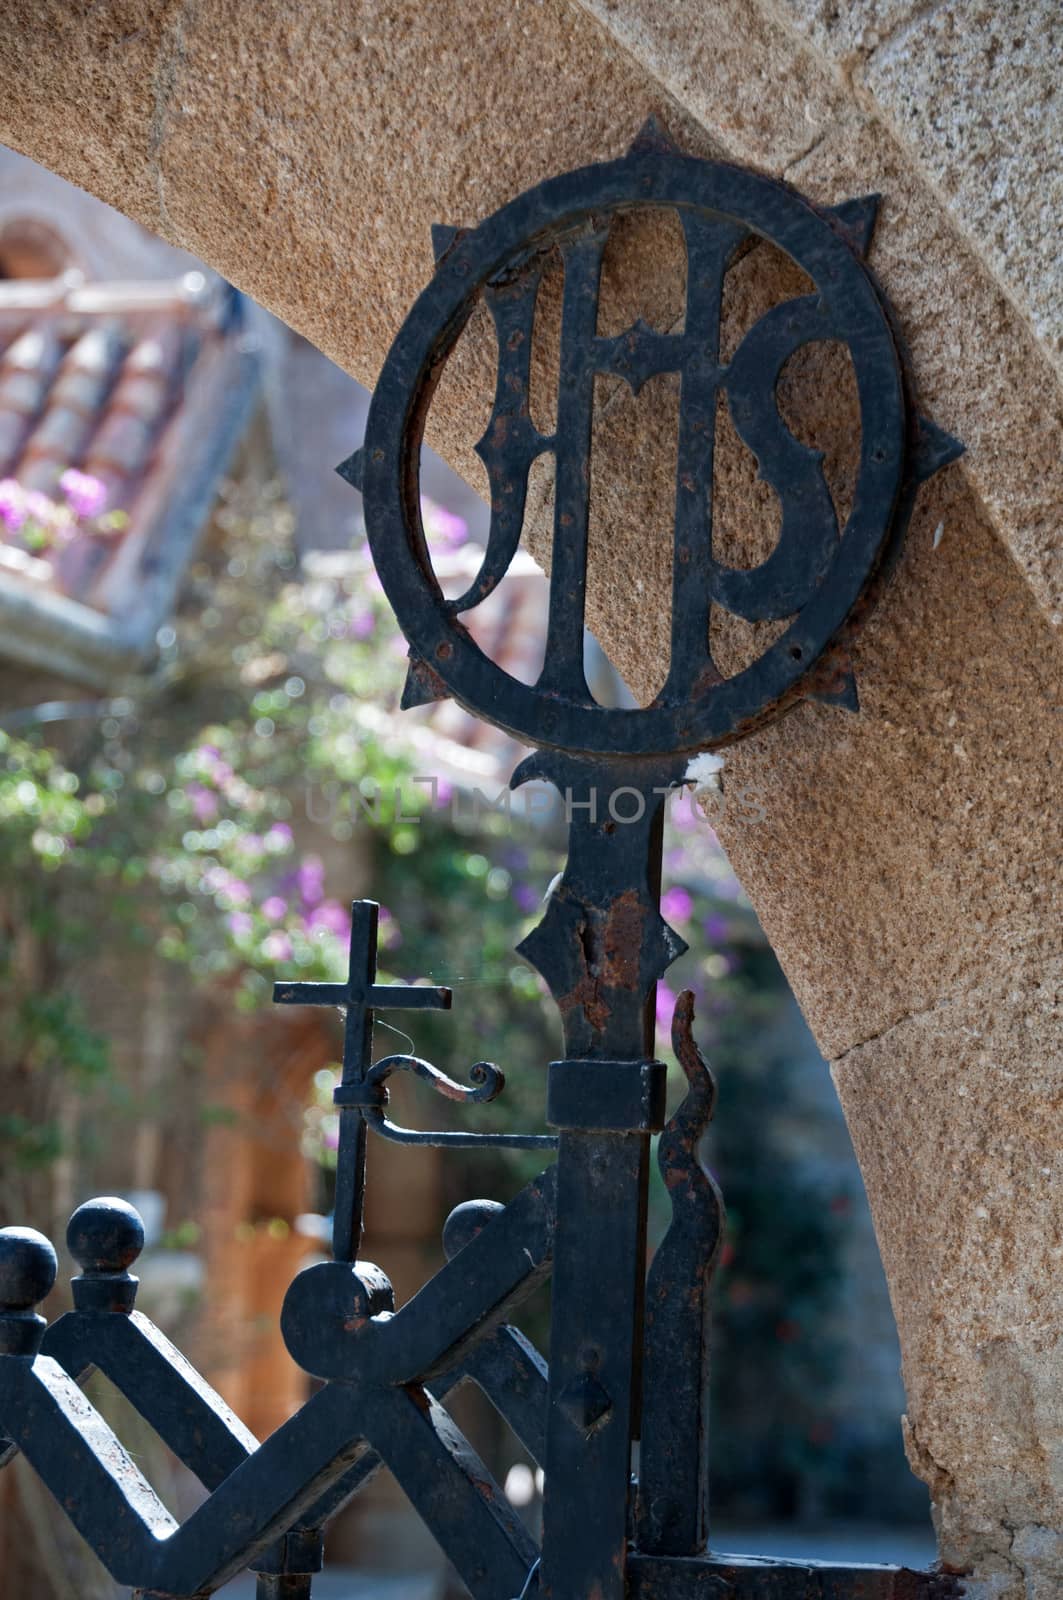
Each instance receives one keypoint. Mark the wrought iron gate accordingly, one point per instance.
(628, 1351)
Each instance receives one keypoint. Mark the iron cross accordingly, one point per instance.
(359, 998)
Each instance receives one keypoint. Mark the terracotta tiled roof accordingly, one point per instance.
(145, 387)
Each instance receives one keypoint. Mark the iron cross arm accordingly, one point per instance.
(380, 997)
(361, 996)
(358, 998)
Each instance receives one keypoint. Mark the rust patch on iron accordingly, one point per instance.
(607, 951)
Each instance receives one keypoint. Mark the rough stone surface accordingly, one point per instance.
(905, 865)
(965, 1100)
(991, 391)
(735, 69)
(939, 801)
(848, 30)
(980, 107)
(979, 371)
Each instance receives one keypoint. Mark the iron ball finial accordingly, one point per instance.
(105, 1235)
(28, 1268)
(465, 1222)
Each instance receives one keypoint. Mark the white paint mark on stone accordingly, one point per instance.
(704, 771)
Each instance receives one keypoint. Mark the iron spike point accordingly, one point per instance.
(653, 136)
(443, 236)
(933, 449)
(838, 686)
(423, 687)
(353, 470)
(856, 219)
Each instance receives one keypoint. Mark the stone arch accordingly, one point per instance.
(905, 868)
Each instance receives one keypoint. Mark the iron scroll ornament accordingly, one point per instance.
(823, 579)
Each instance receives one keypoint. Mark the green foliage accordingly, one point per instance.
(193, 819)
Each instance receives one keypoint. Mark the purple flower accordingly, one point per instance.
(525, 897)
(361, 625)
(331, 917)
(85, 495)
(238, 892)
(208, 756)
(277, 946)
(278, 837)
(310, 880)
(715, 928)
(683, 814)
(40, 508)
(12, 504)
(447, 527)
(240, 924)
(676, 904)
(204, 803)
(274, 908)
(665, 1005)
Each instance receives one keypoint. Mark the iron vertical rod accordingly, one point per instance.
(600, 1244)
(349, 1210)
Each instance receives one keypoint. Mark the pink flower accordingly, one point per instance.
(12, 504)
(331, 917)
(204, 803)
(390, 936)
(665, 1005)
(45, 511)
(447, 527)
(277, 946)
(274, 908)
(215, 769)
(676, 904)
(310, 878)
(683, 814)
(278, 837)
(240, 924)
(361, 625)
(85, 494)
